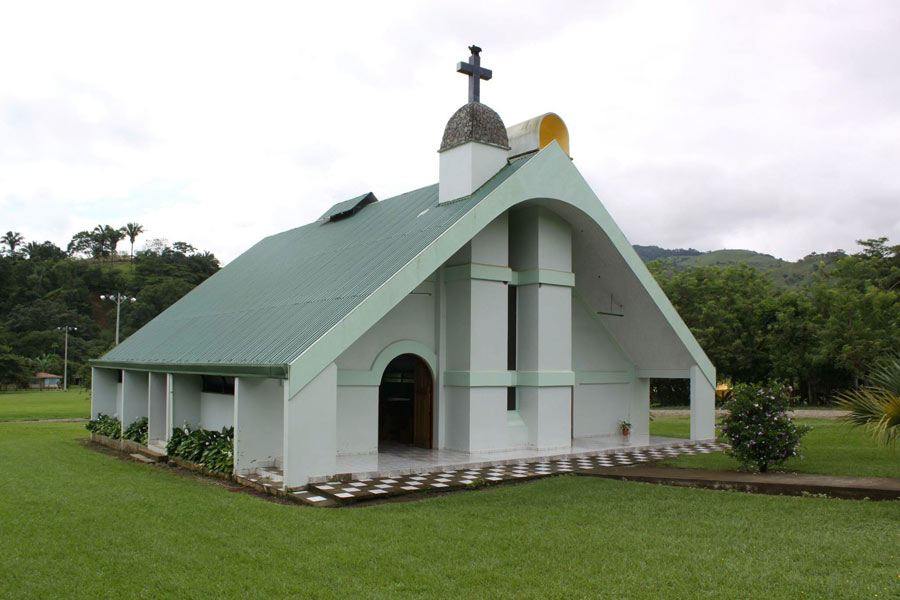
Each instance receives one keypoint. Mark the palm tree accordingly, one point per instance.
(12, 239)
(100, 241)
(114, 236)
(877, 406)
(132, 230)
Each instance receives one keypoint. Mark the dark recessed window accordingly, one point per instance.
(215, 384)
(510, 398)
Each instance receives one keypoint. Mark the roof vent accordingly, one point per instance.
(348, 208)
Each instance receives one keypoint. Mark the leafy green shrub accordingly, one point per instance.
(105, 425)
(137, 431)
(758, 428)
(211, 449)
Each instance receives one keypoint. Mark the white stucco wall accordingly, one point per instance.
(134, 396)
(310, 429)
(546, 412)
(593, 349)
(258, 423)
(156, 412)
(464, 168)
(185, 397)
(104, 391)
(357, 419)
(598, 408)
(216, 410)
(412, 319)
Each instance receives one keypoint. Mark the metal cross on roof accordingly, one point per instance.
(475, 72)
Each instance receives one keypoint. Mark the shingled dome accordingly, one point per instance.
(475, 122)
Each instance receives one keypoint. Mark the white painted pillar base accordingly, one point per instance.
(640, 407)
(310, 429)
(547, 412)
(157, 419)
(134, 396)
(258, 426)
(703, 406)
(104, 392)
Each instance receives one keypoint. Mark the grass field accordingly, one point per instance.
(76, 523)
(831, 447)
(48, 404)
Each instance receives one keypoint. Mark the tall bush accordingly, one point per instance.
(758, 427)
(105, 425)
(137, 431)
(211, 449)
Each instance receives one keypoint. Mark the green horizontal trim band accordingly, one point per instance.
(663, 373)
(545, 378)
(480, 378)
(478, 271)
(590, 377)
(270, 371)
(544, 276)
(358, 377)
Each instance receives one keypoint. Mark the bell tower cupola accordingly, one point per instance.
(475, 144)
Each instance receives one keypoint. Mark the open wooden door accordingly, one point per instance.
(423, 415)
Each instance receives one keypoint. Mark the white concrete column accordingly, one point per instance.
(703, 406)
(310, 429)
(104, 391)
(170, 404)
(134, 396)
(258, 423)
(185, 397)
(640, 408)
(541, 242)
(476, 341)
(156, 407)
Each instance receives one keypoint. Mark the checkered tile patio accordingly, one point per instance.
(336, 493)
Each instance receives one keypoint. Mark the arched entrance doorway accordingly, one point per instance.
(406, 402)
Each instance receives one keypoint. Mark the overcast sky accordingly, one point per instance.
(773, 126)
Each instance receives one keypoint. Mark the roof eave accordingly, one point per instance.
(230, 370)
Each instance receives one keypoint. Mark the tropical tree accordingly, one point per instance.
(876, 406)
(83, 243)
(12, 240)
(14, 369)
(132, 230)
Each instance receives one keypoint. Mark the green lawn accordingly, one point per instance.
(831, 447)
(78, 523)
(48, 404)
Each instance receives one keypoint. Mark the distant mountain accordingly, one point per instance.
(783, 272)
(648, 253)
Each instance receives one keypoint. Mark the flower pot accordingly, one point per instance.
(625, 432)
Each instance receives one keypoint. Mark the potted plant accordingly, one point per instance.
(624, 427)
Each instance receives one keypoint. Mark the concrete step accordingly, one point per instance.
(271, 473)
(153, 454)
(141, 458)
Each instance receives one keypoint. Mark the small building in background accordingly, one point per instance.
(44, 381)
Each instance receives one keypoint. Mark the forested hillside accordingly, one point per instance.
(782, 272)
(44, 288)
(820, 326)
(818, 323)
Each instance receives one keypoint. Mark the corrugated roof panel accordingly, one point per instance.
(276, 299)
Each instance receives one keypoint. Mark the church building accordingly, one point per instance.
(496, 313)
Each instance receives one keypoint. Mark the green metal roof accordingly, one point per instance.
(276, 299)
